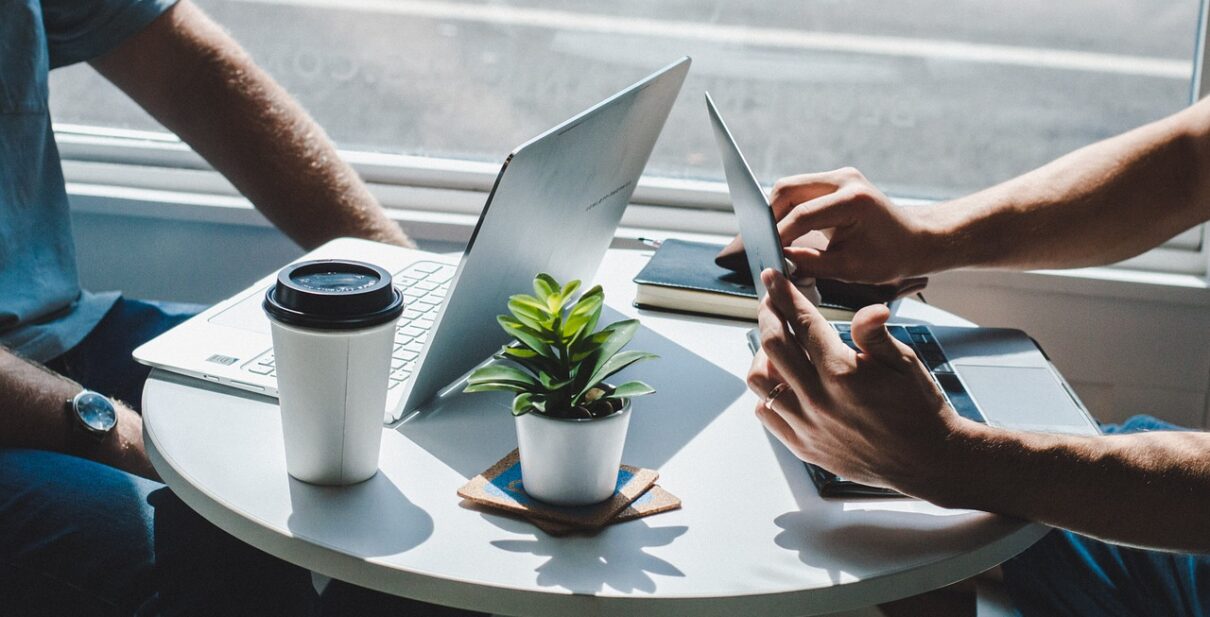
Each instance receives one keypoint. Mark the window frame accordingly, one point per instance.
(440, 198)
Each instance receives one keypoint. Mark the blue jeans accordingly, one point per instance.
(78, 538)
(1068, 574)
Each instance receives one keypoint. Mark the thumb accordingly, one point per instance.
(873, 338)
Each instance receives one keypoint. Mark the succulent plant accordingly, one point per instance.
(557, 364)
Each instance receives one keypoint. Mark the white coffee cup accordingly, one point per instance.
(333, 327)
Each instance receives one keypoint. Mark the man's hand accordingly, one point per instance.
(36, 416)
(874, 416)
(124, 449)
(871, 239)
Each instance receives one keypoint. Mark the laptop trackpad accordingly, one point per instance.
(247, 314)
(1029, 399)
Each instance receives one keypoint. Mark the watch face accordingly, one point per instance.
(96, 412)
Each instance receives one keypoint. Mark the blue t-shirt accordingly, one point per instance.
(43, 311)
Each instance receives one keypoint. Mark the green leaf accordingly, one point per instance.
(529, 301)
(529, 359)
(501, 373)
(631, 389)
(545, 286)
(536, 319)
(619, 335)
(588, 345)
(582, 316)
(527, 336)
(552, 383)
(569, 290)
(490, 386)
(615, 364)
(522, 403)
(518, 352)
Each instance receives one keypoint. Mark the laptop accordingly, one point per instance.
(996, 376)
(554, 208)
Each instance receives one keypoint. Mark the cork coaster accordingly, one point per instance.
(500, 487)
(654, 501)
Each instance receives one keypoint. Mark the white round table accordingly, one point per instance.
(752, 538)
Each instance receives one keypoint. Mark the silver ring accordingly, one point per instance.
(775, 392)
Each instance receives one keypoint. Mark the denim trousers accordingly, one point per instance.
(78, 538)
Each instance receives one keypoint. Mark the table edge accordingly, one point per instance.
(473, 595)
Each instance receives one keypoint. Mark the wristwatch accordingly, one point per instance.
(92, 415)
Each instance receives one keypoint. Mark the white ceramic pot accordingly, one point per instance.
(571, 462)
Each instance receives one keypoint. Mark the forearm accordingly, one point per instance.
(1100, 204)
(194, 79)
(1145, 489)
(34, 412)
(34, 416)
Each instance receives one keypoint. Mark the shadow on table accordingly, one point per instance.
(352, 517)
(860, 536)
(615, 558)
(470, 432)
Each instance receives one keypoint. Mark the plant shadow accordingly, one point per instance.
(470, 432)
(614, 558)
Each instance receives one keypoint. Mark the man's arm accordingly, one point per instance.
(35, 416)
(876, 417)
(192, 77)
(1144, 489)
(1100, 204)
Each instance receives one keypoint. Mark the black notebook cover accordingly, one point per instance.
(690, 265)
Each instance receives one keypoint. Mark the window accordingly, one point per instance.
(930, 98)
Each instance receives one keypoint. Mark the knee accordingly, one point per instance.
(52, 495)
(74, 534)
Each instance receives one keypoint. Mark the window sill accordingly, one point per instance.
(640, 221)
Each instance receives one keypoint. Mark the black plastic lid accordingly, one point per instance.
(333, 294)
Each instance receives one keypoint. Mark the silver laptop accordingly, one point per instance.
(554, 208)
(993, 375)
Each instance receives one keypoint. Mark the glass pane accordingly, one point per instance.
(930, 98)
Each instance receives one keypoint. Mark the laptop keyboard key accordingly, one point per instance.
(958, 398)
(901, 334)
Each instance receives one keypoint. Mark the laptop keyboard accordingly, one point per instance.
(424, 285)
(922, 341)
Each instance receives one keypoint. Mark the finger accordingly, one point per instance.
(835, 209)
(763, 376)
(827, 263)
(811, 330)
(777, 425)
(872, 337)
(785, 355)
(793, 190)
(760, 375)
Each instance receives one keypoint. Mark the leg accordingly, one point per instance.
(75, 536)
(81, 538)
